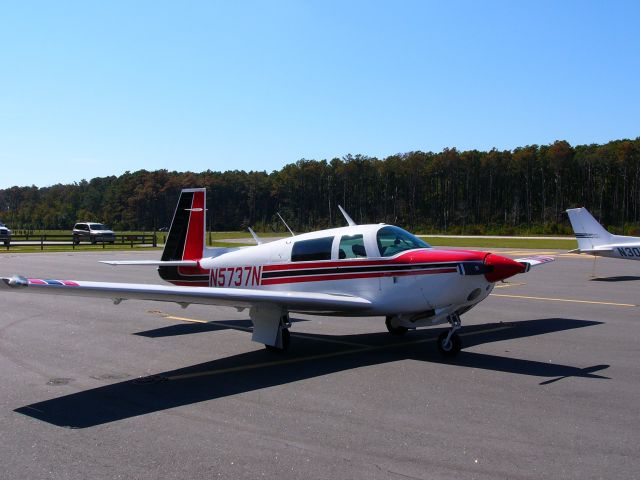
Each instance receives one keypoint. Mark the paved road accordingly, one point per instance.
(547, 386)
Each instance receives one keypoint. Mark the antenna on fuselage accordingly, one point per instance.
(255, 236)
(285, 224)
(347, 217)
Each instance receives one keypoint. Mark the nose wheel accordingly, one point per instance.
(449, 343)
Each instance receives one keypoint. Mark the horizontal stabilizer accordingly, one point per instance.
(165, 263)
(594, 251)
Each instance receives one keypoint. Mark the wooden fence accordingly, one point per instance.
(57, 240)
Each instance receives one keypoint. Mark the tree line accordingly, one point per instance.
(525, 190)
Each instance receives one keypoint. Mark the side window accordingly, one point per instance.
(352, 246)
(308, 250)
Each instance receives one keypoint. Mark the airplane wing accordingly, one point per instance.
(232, 297)
(529, 262)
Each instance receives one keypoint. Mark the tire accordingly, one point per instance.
(93, 240)
(286, 340)
(7, 243)
(454, 347)
(76, 240)
(393, 330)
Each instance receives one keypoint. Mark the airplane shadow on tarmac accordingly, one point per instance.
(309, 356)
(621, 278)
(189, 328)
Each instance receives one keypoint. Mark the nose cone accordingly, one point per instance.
(503, 267)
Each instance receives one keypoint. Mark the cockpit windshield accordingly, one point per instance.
(392, 240)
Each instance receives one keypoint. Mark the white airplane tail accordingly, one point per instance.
(589, 233)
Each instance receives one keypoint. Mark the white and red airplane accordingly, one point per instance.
(358, 270)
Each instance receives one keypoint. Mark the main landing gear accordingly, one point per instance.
(449, 343)
(271, 327)
(284, 335)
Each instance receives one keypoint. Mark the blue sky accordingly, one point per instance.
(94, 88)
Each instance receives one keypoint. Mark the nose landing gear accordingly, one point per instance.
(449, 343)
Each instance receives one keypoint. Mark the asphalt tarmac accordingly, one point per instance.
(547, 386)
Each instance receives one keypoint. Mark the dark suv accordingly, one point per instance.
(5, 234)
(94, 232)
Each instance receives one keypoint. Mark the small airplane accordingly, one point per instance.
(595, 240)
(358, 270)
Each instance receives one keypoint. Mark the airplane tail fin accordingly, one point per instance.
(588, 231)
(186, 240)
(187, 233)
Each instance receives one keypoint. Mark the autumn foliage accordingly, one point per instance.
(521, 191)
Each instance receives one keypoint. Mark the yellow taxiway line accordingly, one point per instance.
(569, 300)
(508, 284)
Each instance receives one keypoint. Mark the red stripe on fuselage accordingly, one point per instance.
(352, 276)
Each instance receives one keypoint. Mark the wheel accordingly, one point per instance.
(454, 346)
(7, 243)
(286, 339)
(393, 330)
(76, 240)
(93, 240)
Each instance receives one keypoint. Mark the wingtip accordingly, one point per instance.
(16, 281)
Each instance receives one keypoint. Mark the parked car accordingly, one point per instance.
(94, 232)
(5, 234)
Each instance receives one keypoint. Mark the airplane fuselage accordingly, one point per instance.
(418, 284)
(630, 251)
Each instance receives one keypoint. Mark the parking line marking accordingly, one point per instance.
(328, 340)
(569, 300)
(195, 320)
(506, 285)
(185, 319)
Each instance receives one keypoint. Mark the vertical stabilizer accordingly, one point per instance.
(588, 231)
(186, 239)
(186, 235)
